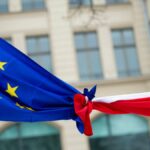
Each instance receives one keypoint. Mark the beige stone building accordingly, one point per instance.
(87, 42)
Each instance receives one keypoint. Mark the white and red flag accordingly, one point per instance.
(121, 104)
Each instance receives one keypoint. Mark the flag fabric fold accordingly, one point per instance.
(138, 103)
(29, 93)
(122, 104)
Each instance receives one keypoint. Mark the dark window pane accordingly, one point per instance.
(88, 56)
(135, 124)
(26, 4)
(121, 62)
(132, 61)
(44, 44)
(83, 67)
(38, 44)
(30, 137)
(76, 3)
(44, 60)
(127, 142)
(39, 51)
(92, 40)
(120, 132)
(123, 73)
(80, 41)
(95, 66)
(128, 37)
(39, 4)
(116, 1)
(125, 53)
(33, 4)
(31, 45)
(3, 6)
(117, 38)
(86, 2)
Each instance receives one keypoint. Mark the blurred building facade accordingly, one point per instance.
(87, 42)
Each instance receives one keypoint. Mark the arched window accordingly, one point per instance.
(120, 132)
(30, 136)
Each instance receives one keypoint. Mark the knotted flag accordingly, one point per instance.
(29, 93)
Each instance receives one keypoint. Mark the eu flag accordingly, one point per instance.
(29, 93)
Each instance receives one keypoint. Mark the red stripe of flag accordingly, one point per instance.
(140, 106)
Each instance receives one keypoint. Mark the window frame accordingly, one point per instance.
(80, 4)
(40, 53)
(117, 3)
(4, 4)
(19, 140)
(123, 47)
(101, 141)
(33, 8)
(90, 76)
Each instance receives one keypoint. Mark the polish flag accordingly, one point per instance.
(123, 104)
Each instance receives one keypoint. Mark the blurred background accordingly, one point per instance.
(83, 42)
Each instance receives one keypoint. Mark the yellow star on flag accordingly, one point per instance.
(12, 90)
(2, 65)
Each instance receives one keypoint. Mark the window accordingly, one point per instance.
(29, 136)
(88, 56)
(125, 53)
(120, 132)
(77, 3)
(116, 1)
(39, 50)
(33, 4)
(3, 6)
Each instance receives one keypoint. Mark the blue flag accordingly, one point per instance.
(29, 93)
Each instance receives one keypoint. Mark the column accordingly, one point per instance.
(61, 33)
(148, 7)
(107, 53)
(19, 41)
(14, 5)
(142, 35)
(72, 139)
(99, 2)
(148, 85)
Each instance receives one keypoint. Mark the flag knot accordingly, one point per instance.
(90, 94)
(83, 106)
